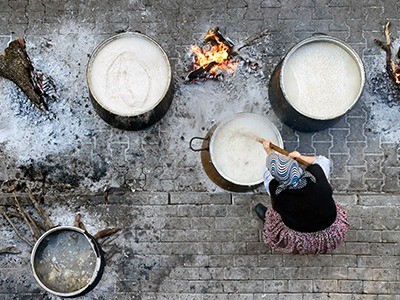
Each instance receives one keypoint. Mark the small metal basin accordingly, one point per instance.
(67, 261)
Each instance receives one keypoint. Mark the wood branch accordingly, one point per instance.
(14, 214)
(16, 66)
(387, 34)
(39, 224)
(24, 215)
(106, 232)
(78, 223)
(49, 224)
(9, 186)
(386, 46)
(19, 234)
(111, 252)
(10, 250)
(35, 227)
(392, 61)
(108, 240)
(249, 41)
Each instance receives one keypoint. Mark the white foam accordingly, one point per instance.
(129, 75)
(321, 80)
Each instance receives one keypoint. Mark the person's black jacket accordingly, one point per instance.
(308, 209)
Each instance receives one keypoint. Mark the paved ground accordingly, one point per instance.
(184, 237)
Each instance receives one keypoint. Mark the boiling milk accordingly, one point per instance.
(237, 155)
(129, 75)
(321, 80)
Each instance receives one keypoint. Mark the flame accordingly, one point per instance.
(396, 72)
(216, 52)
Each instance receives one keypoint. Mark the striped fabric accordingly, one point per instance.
(287, 172)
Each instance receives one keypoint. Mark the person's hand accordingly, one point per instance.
(294, 154)
(267, 146)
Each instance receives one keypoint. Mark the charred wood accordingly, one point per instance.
(392, 59)
(200, 72)
(16, 66)
(10, 250)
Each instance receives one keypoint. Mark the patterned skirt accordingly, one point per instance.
(281, 238)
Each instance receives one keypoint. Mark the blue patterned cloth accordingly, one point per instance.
(287, 172)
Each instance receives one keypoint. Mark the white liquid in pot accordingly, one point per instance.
(321, 80)
(129, 75)
(236, 155)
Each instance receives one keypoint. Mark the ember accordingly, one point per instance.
(392, 59)
(214, 59)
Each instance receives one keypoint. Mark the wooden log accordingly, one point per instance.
(200, 72)
(392, 60)
(16, 66)
(106, 232)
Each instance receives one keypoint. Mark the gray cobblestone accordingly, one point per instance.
(184, 238)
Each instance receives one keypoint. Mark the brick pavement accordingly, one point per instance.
(208, 246)
(184, 237)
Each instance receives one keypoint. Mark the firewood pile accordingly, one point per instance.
(218, 56)
(33, 219)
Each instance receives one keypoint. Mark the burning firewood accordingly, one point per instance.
(16, 66)
(392, 59)
(218, 56)
(214, 58)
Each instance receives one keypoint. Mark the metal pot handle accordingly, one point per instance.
(319, 33)
(199, 138)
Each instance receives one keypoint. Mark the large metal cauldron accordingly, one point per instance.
(138, 73)
(236, 131)
(293, 114)
(67, 261)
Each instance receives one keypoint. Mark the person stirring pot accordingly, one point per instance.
(304, 218)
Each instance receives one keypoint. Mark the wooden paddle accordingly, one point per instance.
(282, 151)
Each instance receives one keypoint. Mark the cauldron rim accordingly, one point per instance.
(344, 46)
(215, 134)
(97, 271)
(110, 39)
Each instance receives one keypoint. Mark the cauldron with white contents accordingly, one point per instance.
(231, 156)
(130, 81)
(317, 82)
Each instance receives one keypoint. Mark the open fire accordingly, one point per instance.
(214, 59)
(392, 58)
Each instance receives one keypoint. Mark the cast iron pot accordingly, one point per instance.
(56, 270)
(214, 135)
(281, 104)
(131, 122)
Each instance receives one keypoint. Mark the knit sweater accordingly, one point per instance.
(308, 209)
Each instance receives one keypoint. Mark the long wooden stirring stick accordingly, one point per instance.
(282, 151)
